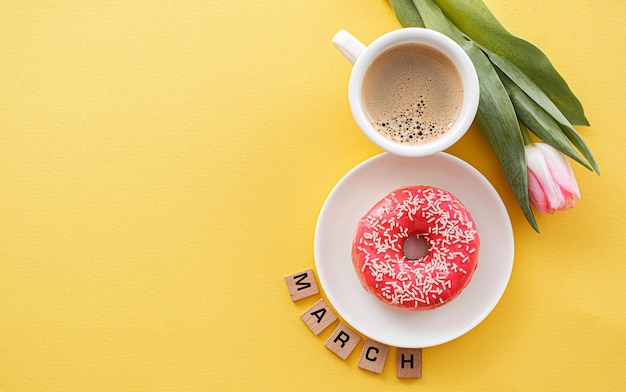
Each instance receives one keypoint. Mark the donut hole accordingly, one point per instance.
(415, 247)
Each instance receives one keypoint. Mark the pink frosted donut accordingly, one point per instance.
(426, 282)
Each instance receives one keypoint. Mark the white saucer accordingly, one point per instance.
(356, 193)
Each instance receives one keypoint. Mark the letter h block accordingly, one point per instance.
(409, 362)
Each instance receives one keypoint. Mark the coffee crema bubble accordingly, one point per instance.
(412, 94)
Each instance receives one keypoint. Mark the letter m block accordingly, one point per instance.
(301, 285)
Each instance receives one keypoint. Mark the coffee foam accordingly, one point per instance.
(412, 94)
(409, 125)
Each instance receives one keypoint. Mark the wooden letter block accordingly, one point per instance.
(319, 316)
(342, 341)
(301, 285)
(409, 362)
(373, 356)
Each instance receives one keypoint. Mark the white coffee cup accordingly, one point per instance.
(362, 57)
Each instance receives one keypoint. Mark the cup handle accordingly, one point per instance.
(350, 47)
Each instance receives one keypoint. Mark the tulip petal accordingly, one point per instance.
(538, 165)
(560, 169)
(536, 193)
(551, 182)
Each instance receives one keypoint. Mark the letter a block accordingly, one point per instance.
(319, 316)
(409, 361)
(373, 356)
(342, 341)
(301, 285)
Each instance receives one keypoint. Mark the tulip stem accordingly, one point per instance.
(525, 134)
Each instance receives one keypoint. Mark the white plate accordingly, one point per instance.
(356, 193)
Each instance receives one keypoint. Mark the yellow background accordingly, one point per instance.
(162, 166)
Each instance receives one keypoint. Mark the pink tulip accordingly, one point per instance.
(551, 182)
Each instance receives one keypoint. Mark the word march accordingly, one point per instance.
(343, 340)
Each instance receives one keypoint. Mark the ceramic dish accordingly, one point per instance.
(361, 188)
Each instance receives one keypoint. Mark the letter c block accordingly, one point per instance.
(373, 356)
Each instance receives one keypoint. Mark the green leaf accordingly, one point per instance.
(476, 21)
(580, 144)
(540, 122)
(538, 96)
(498, 121)
(434, 19)
(496, 115)
(406, 13)
(528, 86)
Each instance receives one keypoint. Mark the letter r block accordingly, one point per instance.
(373, 356)
(342, 341)
(301, 285)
